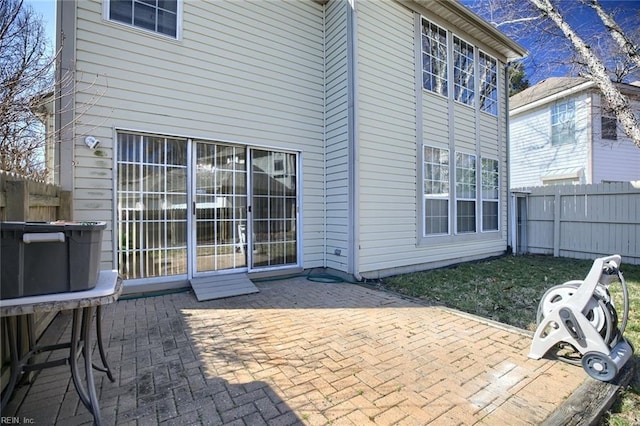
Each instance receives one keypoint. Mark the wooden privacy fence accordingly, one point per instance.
(582, 221)
(26, 200)
(23, 199)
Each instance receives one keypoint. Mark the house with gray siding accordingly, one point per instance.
(562, 132)
(367, 137)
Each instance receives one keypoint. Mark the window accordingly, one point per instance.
(563, 123)
(465, 193)
(436, 191)
(160, 16)
(434, 58)
(463, 80)
(609, 127)
(490, 194)
(488, 83)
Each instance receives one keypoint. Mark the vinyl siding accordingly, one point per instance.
(387, 134)
(533, 156)
(243, 72)
(436, 122)
(617, 160)
(337, 136)
(389, 150)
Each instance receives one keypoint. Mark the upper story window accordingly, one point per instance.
(463, 80)
(563, 123)
(434, 58)
(488, 68)
(609, 128)
(160, 16)
(472, 84)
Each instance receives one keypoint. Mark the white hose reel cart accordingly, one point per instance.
(578, 323)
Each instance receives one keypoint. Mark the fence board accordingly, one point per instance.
(585, 221)
(25, 200)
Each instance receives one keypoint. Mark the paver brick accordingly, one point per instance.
(307, 353)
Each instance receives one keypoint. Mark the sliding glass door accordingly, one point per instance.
(192, 208)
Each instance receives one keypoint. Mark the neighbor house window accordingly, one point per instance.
(160, 16)
(488, 79)
(436, 191)
(563, 123)
(463, 80)
(465, 193)
(490, 194)
(434, 58)
(609, 126)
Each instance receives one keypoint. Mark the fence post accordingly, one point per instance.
(556, 224)
(17, 195)
(65, 207)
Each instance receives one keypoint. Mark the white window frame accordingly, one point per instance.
(563, 123)
(428, 58)
(490, 192)
(106, 13)
(464, 78)
(466, 189)
(435, 186)
(488, 83)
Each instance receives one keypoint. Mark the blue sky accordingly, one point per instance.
(46, 9)
(586, 19)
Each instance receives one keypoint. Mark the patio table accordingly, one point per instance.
(83, 304)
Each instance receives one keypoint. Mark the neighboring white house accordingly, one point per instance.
(561, 132)
(364, 136)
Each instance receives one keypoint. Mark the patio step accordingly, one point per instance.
(220, 286)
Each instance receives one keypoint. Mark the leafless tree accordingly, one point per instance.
(26, 74)
(555, 42)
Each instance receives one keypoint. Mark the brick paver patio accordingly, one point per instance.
(301, 352)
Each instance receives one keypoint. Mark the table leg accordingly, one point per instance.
(87, 318)
(73, 356)
(103, 357)
(11, 324)
(81, 342)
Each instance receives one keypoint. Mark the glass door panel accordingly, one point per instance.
(220, 207)
(151, 206)
(274, 209)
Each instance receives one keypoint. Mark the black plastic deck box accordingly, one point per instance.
(42, 258)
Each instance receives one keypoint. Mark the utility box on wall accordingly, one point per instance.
(43, 258)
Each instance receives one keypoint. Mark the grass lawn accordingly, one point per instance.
(508, 290)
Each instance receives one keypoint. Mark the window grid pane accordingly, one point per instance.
(609, 128)
(465, 192)
(490, 194)
(563, 125)
(463, 75)
(158, 16)
(488, 84)
(436, 191)
(434, 58)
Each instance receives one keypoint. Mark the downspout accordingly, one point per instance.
(352, 48)
(324, 133)
(511, 201)
(64, 104)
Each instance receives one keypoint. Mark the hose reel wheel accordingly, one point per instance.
(599, 366)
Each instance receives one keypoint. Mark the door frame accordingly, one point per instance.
(248, 240)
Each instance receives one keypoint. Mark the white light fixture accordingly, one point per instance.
(91, 142)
